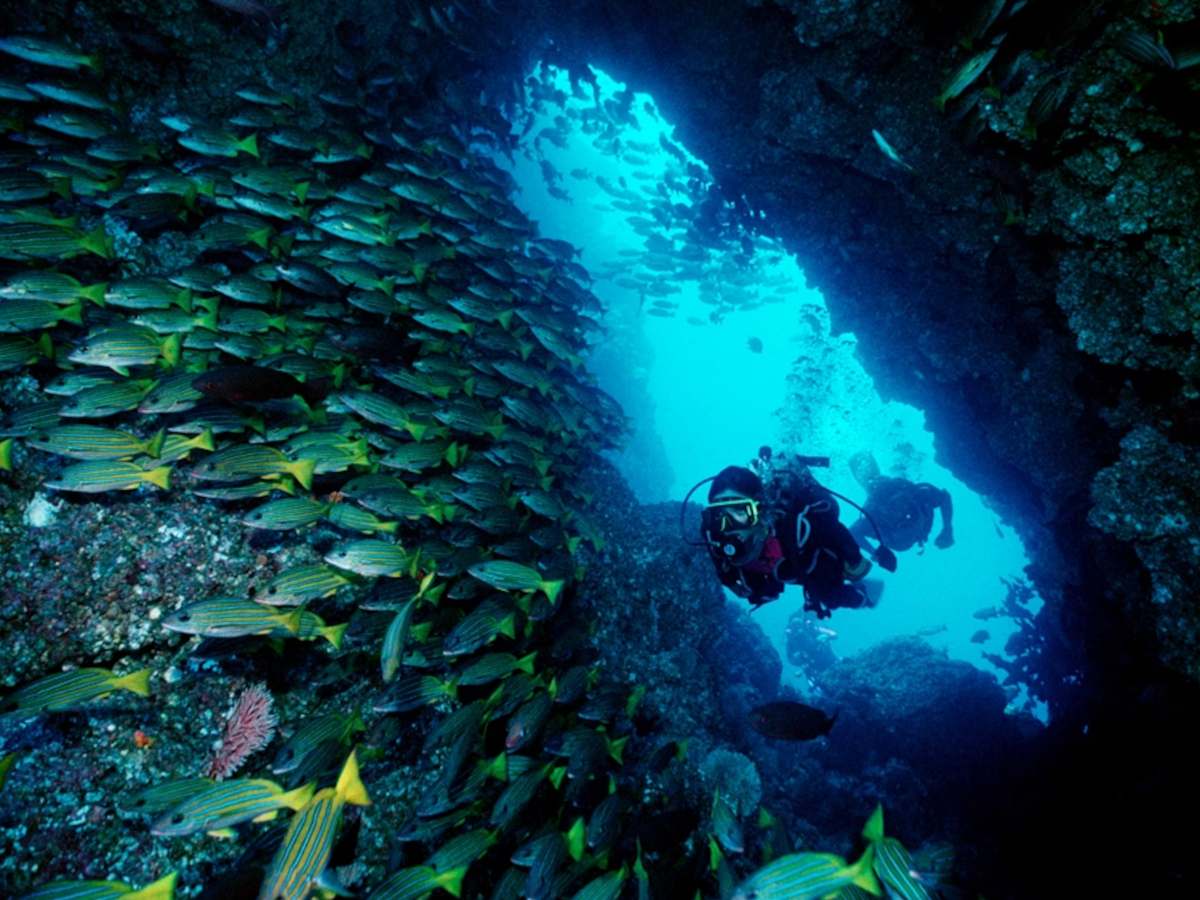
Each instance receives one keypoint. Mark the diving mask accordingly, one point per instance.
(733, 515)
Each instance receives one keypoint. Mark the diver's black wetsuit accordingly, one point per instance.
(809, 546)
(903, 513)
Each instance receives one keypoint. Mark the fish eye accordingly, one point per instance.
(183, 617)
(177, 818)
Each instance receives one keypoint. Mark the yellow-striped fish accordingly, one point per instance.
(66, 690)
(376, 408)
(164, 795)
(104, 400)
(163, 889)
(311, 627)
(144, 292)
(963, 76)
(370, 557)
(172, 394)
(725, 825)
(603, 887)
(300, 583)
(336, 727)
(419, 881)
(232, 617)
(49, 52)
(212, 142)
(126, 345)
(17, 350)
(95, 442)
(33, 240)
(352, 518)
(807, 876)
(288, 514)
(250, 460)
(28, 314)
(101, 475)
(395, 639)
(309, 839)
(57, 287)
(177, 446)
(231, 803)
(513, 576)
(894, 864)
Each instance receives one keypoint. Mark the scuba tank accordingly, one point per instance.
(864, 468)
(779, 476)
(784, 476)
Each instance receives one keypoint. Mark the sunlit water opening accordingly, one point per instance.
(715, 346)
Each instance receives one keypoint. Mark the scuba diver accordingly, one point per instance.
(809, 646)
(898, 510)
(772, 525)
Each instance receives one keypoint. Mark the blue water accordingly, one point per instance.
(713, 401)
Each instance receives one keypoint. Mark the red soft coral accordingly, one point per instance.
(250, 727)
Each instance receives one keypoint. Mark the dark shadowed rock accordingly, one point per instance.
(902, 698)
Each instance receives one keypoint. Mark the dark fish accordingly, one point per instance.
(790, 721)
(755, 345)
(664, 755)
(256, 384)
(604, 705)
(551, 854)
(725, 826)
(980, 636)
(1143, 49)
(364, 341)
(988, 612)
(1046, 102)
(66, 690)
(528, 721)
(572, 684)
(601, 830)
(252, 9)
(963, 76)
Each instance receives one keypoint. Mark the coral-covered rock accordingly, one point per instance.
(902, 698)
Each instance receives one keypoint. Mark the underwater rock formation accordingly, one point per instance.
(904, 699)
